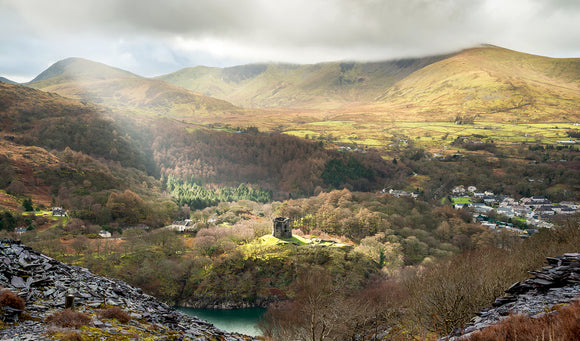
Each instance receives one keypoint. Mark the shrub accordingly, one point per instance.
(69, 319)
(114, 313)
(10, 299)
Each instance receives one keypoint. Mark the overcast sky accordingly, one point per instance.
(151, 37)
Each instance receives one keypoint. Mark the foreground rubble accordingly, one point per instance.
(44, 283)
(553, 285)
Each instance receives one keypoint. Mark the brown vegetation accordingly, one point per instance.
(417, 302)
(114, 313)
(562, 324)
(10, 299)
(69, 319)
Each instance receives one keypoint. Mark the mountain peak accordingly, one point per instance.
(75, 67)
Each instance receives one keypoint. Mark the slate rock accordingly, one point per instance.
(18, 282)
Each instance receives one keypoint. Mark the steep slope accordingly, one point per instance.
(325, 85)
(36, 118)
(98, 83)
(492, 83)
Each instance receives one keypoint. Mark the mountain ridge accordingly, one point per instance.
(484, 80)
(75, 67)
(94, 82)
(293, 85)
(6, 80)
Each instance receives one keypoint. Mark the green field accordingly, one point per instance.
(432, 135)
(460, 200)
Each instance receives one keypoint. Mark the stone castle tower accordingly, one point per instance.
(281, 228)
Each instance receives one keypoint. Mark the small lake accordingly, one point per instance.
(242, 321)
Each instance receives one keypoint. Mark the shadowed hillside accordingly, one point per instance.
(46, 120)
(6, 80)
(325, 85)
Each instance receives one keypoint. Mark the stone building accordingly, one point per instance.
(281, 228)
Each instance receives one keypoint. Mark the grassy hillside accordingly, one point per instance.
(98, 83)
(71, 69)
(326, 85)
(492, 84)
(507, 96)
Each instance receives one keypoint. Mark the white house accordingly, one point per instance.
(183, 225)
(105, 234)
(570, 204)
(567, 210)
(480, 207)
(58, 212)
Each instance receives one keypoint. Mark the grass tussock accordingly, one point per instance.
(71, 337)
(69, 319)
(114, 313)
(560, 325)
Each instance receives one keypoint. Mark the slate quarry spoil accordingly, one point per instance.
(44, 283)
(553, 285)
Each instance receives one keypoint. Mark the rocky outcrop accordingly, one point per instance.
(44, 283)
(205, 302)
(558, 283)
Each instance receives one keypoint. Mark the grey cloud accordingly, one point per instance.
(142, 33)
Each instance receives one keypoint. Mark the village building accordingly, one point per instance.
(399, 194)
(183, 225)
(458, 190)
(58, 212)
(545, 210)
(505, 211)
(567, 210)
(570, 204)
(105, 234)
(480, 207)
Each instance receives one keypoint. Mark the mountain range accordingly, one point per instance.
(488, 82)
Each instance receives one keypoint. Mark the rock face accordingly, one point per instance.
(557, 283)
(44, 282)
(205, 302)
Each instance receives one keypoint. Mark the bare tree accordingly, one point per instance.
(312, 315)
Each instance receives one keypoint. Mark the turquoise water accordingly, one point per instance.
(236, 320)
